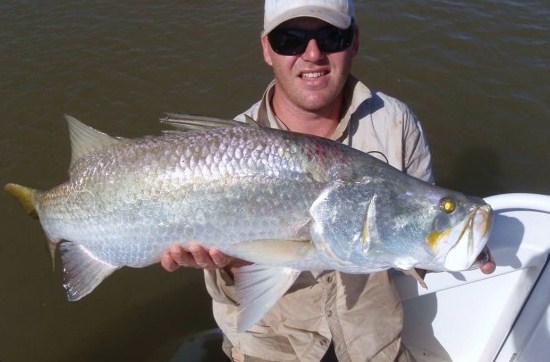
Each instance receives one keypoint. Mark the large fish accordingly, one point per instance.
(285, 201)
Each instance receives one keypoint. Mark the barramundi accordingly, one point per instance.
(286, 202)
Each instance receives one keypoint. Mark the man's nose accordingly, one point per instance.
(312, 52)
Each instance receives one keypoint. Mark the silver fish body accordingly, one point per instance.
(128, 203)
(285, 201)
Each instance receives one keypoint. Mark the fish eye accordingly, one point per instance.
(447, 205)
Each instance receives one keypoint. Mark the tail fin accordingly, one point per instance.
(24, 196)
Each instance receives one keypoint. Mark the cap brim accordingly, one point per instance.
(339, 20)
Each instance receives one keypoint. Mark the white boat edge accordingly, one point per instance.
(502, 317)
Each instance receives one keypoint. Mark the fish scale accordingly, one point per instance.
(170, 176)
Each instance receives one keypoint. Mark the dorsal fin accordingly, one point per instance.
(249, 120)
(85, 139)
(189, 122)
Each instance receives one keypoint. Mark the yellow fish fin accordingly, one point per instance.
(24, 196)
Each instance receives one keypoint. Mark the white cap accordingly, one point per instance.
(336, 12)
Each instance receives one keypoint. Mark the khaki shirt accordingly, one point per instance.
(360, 314)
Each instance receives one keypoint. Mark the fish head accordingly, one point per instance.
(459, 232)
(366, 226)
(435, 228)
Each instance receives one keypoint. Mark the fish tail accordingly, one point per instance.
(24, 196)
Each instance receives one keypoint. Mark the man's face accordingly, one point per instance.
(313, 80)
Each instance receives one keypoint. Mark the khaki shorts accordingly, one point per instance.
(235, 355)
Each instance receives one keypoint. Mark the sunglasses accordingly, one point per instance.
(330, 39)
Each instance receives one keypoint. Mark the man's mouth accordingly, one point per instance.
(313, 75)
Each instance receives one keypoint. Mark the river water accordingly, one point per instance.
(477, 74)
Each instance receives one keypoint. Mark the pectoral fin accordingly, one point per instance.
(369, 231)
(258, 289)
(344, 214)
(82, 271)
(414, 273)
(273, 252)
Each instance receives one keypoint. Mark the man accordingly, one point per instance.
(310, 45)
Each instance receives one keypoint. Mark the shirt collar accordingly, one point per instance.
(266, 116)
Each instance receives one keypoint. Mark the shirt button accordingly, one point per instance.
(329, 279)
(324, 342)
(329, 313)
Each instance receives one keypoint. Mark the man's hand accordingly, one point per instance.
(198, 257)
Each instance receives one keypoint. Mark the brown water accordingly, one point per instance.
(476, 73)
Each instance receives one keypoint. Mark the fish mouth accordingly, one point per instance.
(471, 237)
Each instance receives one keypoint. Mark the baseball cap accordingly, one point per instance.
(335, 12)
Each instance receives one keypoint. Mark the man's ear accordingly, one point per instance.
(266, 50)
(355, 42)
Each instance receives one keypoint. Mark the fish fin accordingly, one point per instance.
(258, 289)
(85, 139)
(332, 209)
(189, 122)
(24, 196)
(51, 249)
(369, 231)
(82, 271)
(273, 251)
(250, 121)
(414, 273)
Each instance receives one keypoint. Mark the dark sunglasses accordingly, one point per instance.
(330, 39)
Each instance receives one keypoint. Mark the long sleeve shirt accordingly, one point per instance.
(360, 314)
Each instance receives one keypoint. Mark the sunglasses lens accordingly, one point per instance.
(294, 41)
(331, 39)
(288, 41)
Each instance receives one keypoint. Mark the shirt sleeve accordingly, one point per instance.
(416, 152)
(220, 286)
